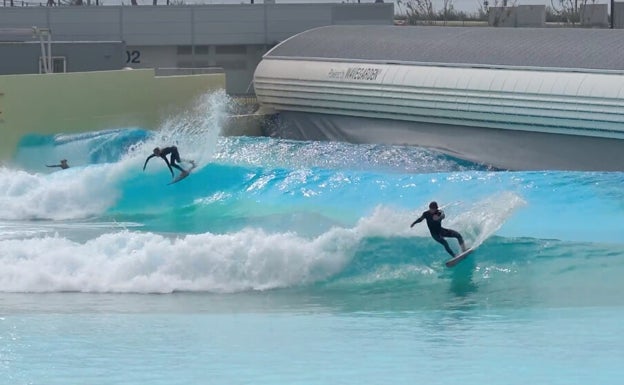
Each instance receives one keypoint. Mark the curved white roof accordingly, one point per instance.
(560, 48)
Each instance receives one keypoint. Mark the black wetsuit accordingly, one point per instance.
(175, 157)
(438, 232)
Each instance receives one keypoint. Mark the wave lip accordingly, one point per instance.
(144, 262)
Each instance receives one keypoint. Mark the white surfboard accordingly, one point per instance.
(459, 257)
(183, 175)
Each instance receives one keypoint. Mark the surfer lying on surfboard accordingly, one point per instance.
(62, 165)
(174, 156)
(434, 218)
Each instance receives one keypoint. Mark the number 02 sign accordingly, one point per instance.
(133, 56)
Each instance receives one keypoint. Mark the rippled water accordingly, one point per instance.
(294, 262)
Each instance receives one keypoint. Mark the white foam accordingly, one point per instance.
(485, 217)
(128, 261)
(476, 222)
(195, 131)
(72, 193)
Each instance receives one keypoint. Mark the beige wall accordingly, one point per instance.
(89, 101)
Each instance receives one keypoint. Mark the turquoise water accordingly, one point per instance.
(293, 262)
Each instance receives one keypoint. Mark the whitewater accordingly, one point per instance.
(296, 261)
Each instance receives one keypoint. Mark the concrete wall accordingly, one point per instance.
(192, 24)
(91, 101)
(149, 56)
(233, 36)
(520, 16)
(23, 58)
(238, 61)
(595, 15)
(618, 12)
(502, 16)
(531, 16)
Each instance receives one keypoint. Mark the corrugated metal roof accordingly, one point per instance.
(599, 49)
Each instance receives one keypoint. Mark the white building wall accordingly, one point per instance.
(561, 102)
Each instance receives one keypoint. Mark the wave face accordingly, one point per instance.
(265, 213)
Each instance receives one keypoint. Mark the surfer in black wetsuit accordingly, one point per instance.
(175, 157)
(434, 218)
(62, 165)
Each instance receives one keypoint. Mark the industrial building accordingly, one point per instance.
(513, 98)
(232, 37)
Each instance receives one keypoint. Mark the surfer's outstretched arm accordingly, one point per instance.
(147, 160)
(418, 220)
